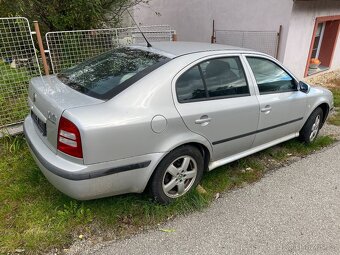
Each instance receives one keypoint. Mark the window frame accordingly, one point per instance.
(275, 62)
(321, 35)
(208, 98)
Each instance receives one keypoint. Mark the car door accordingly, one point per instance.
(282, 105)
(215, 100)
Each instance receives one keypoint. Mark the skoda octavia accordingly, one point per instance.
(160, 116)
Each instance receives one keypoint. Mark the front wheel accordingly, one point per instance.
(311, 129)
(178, 173)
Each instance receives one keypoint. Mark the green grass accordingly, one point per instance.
(36, 217)
(335, 119)
(336, 94)
(13, 93)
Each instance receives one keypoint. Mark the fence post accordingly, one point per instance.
(279, 35)
(174, 37)
(41, 47)
(213, 36)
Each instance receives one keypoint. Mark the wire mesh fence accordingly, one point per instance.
(67, 48)
(263, 41)
(18, 63)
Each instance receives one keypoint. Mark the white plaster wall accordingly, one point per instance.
(336, 56)
(301, 31)
(192, 19)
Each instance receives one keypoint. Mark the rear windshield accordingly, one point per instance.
(110, 73)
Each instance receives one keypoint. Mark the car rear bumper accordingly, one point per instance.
(84, 182)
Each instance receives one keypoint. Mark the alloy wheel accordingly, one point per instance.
(179, 176)
(315, 128)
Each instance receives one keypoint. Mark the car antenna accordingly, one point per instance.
(147, 42)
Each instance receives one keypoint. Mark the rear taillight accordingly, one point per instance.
(69, 140)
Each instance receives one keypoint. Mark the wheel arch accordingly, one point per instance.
(325, 109)
(323, 105)
(204, 151)
(203, 148)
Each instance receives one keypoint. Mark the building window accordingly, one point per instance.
(323, 44)
(318, 39)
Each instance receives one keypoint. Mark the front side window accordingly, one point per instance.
(106, 75)
(213, 79)
(270, 78)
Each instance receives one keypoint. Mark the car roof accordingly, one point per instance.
(179, 48)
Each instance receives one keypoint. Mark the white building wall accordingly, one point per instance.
(193, 19)
(336, 56)
(301, 31)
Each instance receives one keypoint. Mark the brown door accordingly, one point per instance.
(328, 43)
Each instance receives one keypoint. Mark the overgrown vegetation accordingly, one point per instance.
(35, 216)
(56, 15)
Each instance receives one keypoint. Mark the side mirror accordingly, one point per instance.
(304, 87)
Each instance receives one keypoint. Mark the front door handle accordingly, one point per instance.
(266, 109)
(204, 120)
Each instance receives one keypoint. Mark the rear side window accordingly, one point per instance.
(108, 74)
(270, 77)
(213, 79)
(190, 85)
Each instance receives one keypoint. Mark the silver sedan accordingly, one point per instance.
(161, 116)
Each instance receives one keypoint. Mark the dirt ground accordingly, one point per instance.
(329, 79)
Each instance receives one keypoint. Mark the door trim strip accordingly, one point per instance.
(255, 132)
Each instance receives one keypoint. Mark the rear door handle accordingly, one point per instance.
(267, 108)
(204, 120)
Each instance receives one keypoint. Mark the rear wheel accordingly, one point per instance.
(311, 129)
(178, 173)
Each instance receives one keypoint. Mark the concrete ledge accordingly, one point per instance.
(11, 130)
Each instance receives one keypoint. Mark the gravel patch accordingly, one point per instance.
(331, 130)
(329, 79)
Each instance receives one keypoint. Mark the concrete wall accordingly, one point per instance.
(193, 19)
(301, 31)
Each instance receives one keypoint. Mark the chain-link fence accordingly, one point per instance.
(263, 41)
(67, 48)
(18, 63)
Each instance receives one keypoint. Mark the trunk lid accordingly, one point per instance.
(48, 98)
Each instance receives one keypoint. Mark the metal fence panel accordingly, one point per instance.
(156, 33)
(18, 63)
(67, 48)
(263, 41)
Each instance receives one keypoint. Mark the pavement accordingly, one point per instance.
(293, 210)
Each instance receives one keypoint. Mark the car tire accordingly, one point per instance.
(311, 129)
(179, 172)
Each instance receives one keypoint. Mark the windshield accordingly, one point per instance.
(108, 74)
